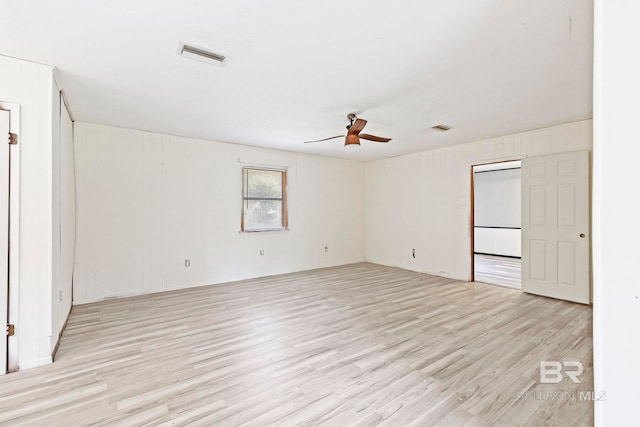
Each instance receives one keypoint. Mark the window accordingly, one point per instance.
(264, 199)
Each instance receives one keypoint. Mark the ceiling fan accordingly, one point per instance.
(353, 135)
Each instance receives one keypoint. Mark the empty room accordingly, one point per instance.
(318, 213)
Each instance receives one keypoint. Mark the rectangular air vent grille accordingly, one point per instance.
(201, 54)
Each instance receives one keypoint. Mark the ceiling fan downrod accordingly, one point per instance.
(351, 117)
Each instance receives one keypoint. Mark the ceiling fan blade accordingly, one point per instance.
(325, 139)
(357, 126)
(374, 138)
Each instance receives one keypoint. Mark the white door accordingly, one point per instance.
(555, 226)
(4, 235)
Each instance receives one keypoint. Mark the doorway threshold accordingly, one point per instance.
(498, 270)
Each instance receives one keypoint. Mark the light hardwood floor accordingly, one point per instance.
(498, 270)
(353, 345)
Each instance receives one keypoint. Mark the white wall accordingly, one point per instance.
(497, 198)
(63, 215)
(616, 300)
(422, 200)
(146, 202)
(30, 86)
(497, 212)
(498, 241)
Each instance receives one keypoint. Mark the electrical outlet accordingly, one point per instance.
(60, 295)
(326, 248)
(187, 263)
(261, 251)
(413, 253)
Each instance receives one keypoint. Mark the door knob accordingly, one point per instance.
(582, 235)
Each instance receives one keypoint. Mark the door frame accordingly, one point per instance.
(14, 232)
(472, 219)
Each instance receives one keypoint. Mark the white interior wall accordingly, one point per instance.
(422, 200)
(56, 252)
(30, 86)
(67, 214)
(63, 215)
(497, 212)
(616, 301)
(497, 198)
(498, 241)
(146, 202)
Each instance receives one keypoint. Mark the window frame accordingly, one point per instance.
(245, 198)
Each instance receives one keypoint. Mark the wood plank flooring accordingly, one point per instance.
(357, 345)
(498, 270)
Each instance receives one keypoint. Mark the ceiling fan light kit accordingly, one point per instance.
(353, 135)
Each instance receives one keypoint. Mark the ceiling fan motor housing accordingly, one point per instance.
(351, 140)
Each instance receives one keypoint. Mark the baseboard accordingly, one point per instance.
(142, 293)
(64, 326)
(35, 363)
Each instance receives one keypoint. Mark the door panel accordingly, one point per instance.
(4, 235)
(555, 226)
(537, 259)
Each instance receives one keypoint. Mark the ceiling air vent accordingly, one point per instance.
(441, 128)
(199, 54)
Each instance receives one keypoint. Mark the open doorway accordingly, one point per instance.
(496, 223)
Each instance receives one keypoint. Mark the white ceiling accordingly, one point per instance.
(295, 69)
